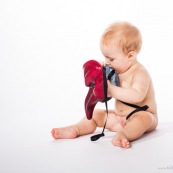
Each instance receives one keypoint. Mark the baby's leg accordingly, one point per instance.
(84, 127)
(114, 122)
(136, 126)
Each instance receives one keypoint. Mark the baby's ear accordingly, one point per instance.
(131, 55)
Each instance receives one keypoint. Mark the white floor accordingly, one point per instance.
(32, 150)
(43, 45)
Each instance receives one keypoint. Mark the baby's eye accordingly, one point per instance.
(111, 59)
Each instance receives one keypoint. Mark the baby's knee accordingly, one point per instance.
(99, 117)
(143, 116)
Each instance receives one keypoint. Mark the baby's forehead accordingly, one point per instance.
(112, 38)
(110, 49)
(111, 44)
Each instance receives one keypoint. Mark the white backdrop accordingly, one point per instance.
(43, 45)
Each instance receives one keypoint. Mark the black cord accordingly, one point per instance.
(96, 137)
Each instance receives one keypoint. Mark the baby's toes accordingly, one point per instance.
(54, 134)
(125, 143)
(116, 142)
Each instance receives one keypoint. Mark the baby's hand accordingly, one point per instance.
(103, 63)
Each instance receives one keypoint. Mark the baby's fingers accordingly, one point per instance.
(103, 63)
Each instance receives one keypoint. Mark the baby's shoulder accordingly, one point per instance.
(141, 71)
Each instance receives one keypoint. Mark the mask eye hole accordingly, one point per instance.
(92, 84)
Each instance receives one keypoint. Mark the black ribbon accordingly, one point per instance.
(138, 108)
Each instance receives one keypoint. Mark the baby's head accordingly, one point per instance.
(123, 35)
(120, 44)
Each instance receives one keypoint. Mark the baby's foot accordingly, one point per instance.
(121, 140)
(115, 123)
(64, 133)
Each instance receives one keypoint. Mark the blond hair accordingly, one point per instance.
(124, 35)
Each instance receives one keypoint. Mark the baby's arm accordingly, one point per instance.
(134, 94)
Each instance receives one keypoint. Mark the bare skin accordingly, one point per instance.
(136, 88)
(127, 131)
(114, 123)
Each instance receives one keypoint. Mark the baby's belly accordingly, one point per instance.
(122, 110)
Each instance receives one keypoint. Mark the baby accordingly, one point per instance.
(120, 44)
